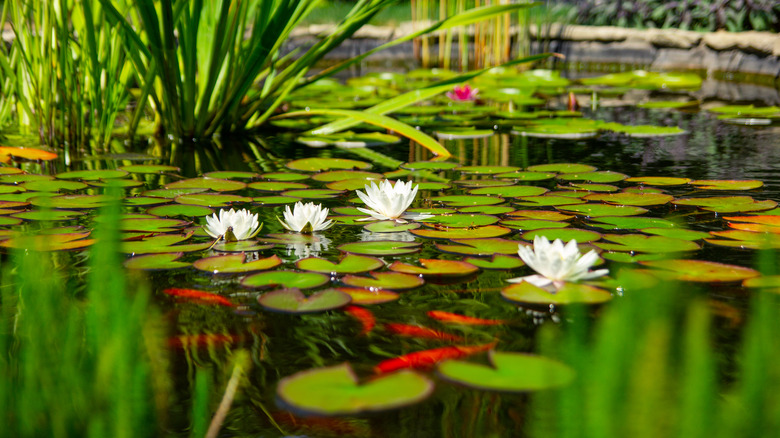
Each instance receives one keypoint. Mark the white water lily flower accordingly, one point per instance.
(389, 202)
(306, 218)
(556, 263)
(232, 225)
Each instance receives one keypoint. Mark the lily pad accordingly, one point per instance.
(340, 175)
(508, 372)
(480, 247)
(532, 224)
(642, 131)
(642, 243)
(235, 264)
(486, 170)
(53, 185)
(727, 204)
(462, 233)
(717, 184)
(180, 210)
(284, 176)
(76, 202)
(285, 279)
(565, 234)
(562, 168)
(46, 215)
(429, 165)
(467, 201)
(676, 233)
(213, 200)
(603, 176)
(367, 297)
(435, 268)
(322, 164)
(486, 209)
(744, 239)
(461, 220)
(276, 186)
(389, 226)
(294, 301)
(380, 247)
(218, 185)
(510, 191)
(597, 210)
(152, 225)
(162, 243)
(527, 293)
(93, 175)
(547, 201)
(241, 246)
(658, 180)
(171, 193)
(526, 175)
(350, 264)
(631, 223)
(336, 391)
(635, 199)
(49, 242)
(498, 261)
(149, 168)
(384, 280)
(701, 270)
(156, 262)
(275, 200)
(313, 193)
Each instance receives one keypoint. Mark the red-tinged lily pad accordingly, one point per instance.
(215, 184)
(765, 281)
(322, 164)
(771, 220)
(526, 176)
(658, 180)
(631, 223)
(547, 201)
(565, 234)
(631, 198)
(727, 204)
(276, 186)
(532, 224)
(156, 262)
(384, 280)
(602, 176)
(350, 264)
(486, 170)
(368, 297)
(744, 239)
(701, 270)
(235, 264)
(162, 243)
(149, 168)
(467, 201)
(14, 170)
(717, 184)
(480, 247)
(231, 174)
(213, 200)
(341, 175)
(313, 193)
(510, 191)
(152, 225)
(643, 243)
(336, 390)
(562, 168)
(294, 301)
(381, 247)
(462, 233)
(180, 210)
(285, 279)
(75, 202)
(546, 215)
(93, 175)
(275, 200)
(241, 246)
(50, 242)
(33, 154)
(677, 233)
(53, 185)
(527, 293)
(508, 372)
(436, 268)
(389, 226)
(498, 261)
(598, 210)
(460, 220)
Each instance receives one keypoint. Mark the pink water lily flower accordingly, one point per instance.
(463, 94)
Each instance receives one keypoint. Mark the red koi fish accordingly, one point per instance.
(203, 340)
(198, 295)
(428, 358)
(454, 318)
(363, 315)
(416, 331)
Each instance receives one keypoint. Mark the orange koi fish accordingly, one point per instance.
(428, 358)
(454, 318)
(199, 295)
(363, 315)
(416, 331)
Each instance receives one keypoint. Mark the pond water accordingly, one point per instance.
(506, 180)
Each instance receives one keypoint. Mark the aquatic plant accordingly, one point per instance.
(232, 225)
(306, 218)
(557, 263)
(388, 201)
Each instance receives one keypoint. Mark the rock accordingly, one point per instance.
(764, 43)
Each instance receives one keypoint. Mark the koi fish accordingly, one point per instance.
(198, 295)
(416, 331)
(428, 358)
(203, 340)
(363, 315)
(454, 318)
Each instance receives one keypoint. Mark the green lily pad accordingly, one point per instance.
(597, 210)
(312, 193)
(93, 175)
(480, 247)
(745, 110)
(294, 301)
(659, 180)
(384, 280)
(562, 168)
(121, 183)
(235, 264)
(10, 171)
(162, 243)
(156, 262)
(461, 220)
(380, 247)
(589, 188)
(285, 279)
(152, 225)
(144, 201)
(76, 202)
(429, 165)
(47, 215)
(336, 391)
(276, 186)
(727, 204)
(635, 199)
(602, 176)
(716, 184)
(171, 193)
(467, 200)
(642, 131)
(275, 200)
(11, 189)
(180, 210)
(214, 200)
(486, 170)
(508, 372)
(701, 270)
(241, 246)
(435, 268)
(341, 175)
(532, 224)
(510, 191)
(8, 221)
(53, 185)
(627, 257)
(764, 281)
(669, 104)
(23, 177)
(498, 261)
(676, 233)
(526, 175)
(565, 234)
(322, 164)
(546, 215)
(218, 185)
(368, 297)
(631, 223)
(547, 201)
(350, 264)
(231, 174)
(744, 239)
(149, 168)
(462, 233)
(49, 242)
(527, 293)
(390, 226)
(486, 209)
(284, 176)
(642, 243)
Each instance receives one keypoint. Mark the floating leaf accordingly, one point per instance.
(276, 186)
(642, 243)
(149, 168)
(462, 233)
(285, 279)
(335, 391)
(486, 170)
(701, 270)
(275, 200)
(390, 226)
(597, 210)
(350, 264)
(53, 185)
(212, 200)
(285, 176)
(565, 234)
(341, 175)
(526, 176)
(46, 215)
(49, 242)
(367, 297)
(321, 164)
(466, 200)
(312, 193)
(436, 268)
(156, 262)
(235, 264)
(231, 174)
(659, 180)
(547, 201)
(486, 209)
(562, 168)
(508, 372)
(727, 204)
(294, 301)
(93, 175)
(171, 193)
(527, 293)
(384, 280)
(381, 247)
(498, 261)
(480, 247)
(76, 202)
(461, 220)
(152, 225)
(510, 191)
(765, 281)
(180, 210)
(240, 246)
(532, 224)
(745, 239)
(429, 165)
(603, 176)
(218, 185)
(635, 199)
(643, 131)
(716, 184)
(631, 223)
(162, 243)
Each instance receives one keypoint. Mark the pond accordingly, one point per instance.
(418, 309)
